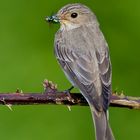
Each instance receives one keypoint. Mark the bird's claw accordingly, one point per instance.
(68, 91)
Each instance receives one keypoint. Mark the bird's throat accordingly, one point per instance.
(65, 25)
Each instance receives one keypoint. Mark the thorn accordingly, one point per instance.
(9, 106)
(18, 90)
(50, 82)
(58, 102)
(69, 107)
(55, 86)
(49, 86)
(52, 86)
(45, 83)
(3, 100)
(122, 93)
(115, 92)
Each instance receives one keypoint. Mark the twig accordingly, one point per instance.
(60, 98)
(52, 96)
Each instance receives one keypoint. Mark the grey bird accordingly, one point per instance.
(83, 54)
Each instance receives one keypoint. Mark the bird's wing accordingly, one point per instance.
(90, 72)
(105, 69)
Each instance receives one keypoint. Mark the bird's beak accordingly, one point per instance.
(52, 19)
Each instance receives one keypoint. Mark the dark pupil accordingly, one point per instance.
(74, 15)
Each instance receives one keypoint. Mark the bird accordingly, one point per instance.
(83, 54)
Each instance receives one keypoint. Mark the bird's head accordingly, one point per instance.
(73, 16)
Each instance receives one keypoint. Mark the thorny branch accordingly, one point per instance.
(52, 96)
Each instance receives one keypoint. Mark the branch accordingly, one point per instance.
(54, 97)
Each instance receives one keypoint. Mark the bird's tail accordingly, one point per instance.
(102, 127)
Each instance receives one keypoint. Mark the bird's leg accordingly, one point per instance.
(68, 91)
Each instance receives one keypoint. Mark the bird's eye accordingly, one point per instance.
(74, 15)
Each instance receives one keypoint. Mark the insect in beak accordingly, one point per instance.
(52, 19)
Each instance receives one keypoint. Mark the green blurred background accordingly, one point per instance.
(26, 59)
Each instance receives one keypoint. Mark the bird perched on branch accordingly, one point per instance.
(83, 54)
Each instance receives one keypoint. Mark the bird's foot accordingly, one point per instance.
(68, 91)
